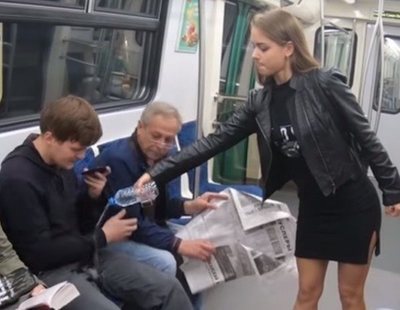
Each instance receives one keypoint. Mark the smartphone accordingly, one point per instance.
(94, 170)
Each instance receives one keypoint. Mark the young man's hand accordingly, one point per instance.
(37, 290)
(116, 228)
(96, 182)
(199, 249)
(202, 202)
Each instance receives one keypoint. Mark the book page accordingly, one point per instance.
(54, 297)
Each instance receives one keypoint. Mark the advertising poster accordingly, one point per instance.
(189, 27)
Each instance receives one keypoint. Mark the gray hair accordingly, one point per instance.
(160, 108)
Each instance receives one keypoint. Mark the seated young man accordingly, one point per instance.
(128, 159)
(16, 281)
(50, 223)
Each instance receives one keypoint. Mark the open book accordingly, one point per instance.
(54, 297)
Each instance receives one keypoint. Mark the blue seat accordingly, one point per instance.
(83, 163)
(186, 137)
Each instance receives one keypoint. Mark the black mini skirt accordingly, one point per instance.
(339, 227)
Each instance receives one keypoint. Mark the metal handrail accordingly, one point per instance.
(382, 46)
(220, 98)
(322, 33)
(351, 60)
(86, 63)
(201, 88)
(336, 26)
(378, 29)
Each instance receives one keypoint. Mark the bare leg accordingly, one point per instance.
(352, 279)
(311, 282)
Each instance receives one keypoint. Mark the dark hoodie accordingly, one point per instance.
(43, 213)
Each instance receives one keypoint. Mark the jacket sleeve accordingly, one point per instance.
(26, 222)
(373, 151)
(240, 125)
(175, 207)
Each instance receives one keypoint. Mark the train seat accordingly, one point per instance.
(81, 164)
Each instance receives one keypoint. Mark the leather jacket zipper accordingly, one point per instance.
(319, 151)
(267, 143)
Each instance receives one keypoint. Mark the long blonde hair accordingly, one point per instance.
(282, 27)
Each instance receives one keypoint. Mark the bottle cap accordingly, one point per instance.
(111, 201)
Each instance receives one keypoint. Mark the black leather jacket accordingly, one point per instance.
(327, 121)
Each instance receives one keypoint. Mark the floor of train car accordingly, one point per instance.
(382, 289)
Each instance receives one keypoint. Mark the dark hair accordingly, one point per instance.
(282, 27)
(71, 118)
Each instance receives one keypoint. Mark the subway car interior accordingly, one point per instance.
(122, 55)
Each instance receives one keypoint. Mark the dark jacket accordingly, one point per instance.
(326, 119)
(127, 164)
(42, 211)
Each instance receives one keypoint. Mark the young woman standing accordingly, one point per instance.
(311, 130)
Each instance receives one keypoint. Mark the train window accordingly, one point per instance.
(230, 16)
(340, 50)
(108, 65)
(391, 77)
(130, 7)
(62, 3)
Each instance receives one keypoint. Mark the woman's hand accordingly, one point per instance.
(393, 210)
(142, 181)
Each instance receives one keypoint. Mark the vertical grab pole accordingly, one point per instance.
(352, 39)
(201, 86)
(367, 62)
(366, 65)
(322, 16)
(382, 49)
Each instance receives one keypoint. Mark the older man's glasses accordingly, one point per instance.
(164, 143)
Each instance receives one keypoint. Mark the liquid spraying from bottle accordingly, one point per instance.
(129, 196)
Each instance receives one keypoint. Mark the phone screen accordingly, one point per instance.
(94, 170)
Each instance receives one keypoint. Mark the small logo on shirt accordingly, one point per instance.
(287, 142)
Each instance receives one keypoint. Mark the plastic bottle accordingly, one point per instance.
(129, 195)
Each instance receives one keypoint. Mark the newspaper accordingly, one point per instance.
(252, 237)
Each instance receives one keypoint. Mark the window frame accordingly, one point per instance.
(61, 16)
(384, 109)
(317, 45)
(44, 3)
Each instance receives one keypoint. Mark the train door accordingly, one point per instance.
(240, 164)
(236, 78)
(387, 121)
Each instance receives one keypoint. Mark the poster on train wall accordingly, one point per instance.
(189, 27)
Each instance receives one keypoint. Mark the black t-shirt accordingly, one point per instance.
(285, 142)
(283, 135)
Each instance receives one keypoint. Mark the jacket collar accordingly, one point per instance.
(135, 146)
(297, 82)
